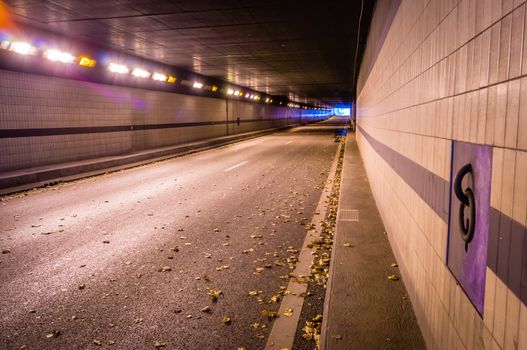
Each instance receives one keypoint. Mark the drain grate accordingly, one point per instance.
(349, 215)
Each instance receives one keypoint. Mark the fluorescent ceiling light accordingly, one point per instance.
(159, 76)
(118, 68)
(140, 73)
(22, 48)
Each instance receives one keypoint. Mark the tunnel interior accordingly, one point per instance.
(240, 174)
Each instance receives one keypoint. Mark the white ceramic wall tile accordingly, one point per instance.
(512, 321)
(500, 308)
(513, 105)
(518, 20)
(522, 115)
(522, 331)
(508, 176)
(497, 171)
(490, 295)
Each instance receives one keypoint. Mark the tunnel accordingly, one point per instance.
(245, 174)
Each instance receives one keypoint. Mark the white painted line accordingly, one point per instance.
(284, 328)
(288, 142)
(235, 166)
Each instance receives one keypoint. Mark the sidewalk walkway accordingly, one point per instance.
(363, 308)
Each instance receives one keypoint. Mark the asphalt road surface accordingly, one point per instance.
(127, 260)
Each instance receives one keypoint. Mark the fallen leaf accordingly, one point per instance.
(275, 298)
(348, 245)
(393, 278)
(288, 312)
(53, 334)
(312, 330)
(214, 294)
(227, 320)
(160, 345)
(270, 314)
(394, 265)
(97, 342)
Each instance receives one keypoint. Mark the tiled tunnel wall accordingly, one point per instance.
(451, 71)
(46, 120)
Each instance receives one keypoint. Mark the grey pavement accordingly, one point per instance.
(364, 309)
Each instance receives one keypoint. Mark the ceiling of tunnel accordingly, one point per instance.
(301, 49)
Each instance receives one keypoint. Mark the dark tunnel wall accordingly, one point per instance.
(46, 120)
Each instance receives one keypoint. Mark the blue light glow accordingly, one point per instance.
(342, 111)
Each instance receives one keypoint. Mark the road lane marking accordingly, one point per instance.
(284, 329)
(288, 142)
(235, 166)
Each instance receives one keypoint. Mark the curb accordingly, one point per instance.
(327, 297)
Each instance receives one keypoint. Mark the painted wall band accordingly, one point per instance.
(433, 189)
(507, 254)
(31, 132)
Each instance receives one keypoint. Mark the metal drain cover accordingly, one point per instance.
(349, 215)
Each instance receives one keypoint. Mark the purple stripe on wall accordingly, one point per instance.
(12, 133)
(433, 189)
(507, 255)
